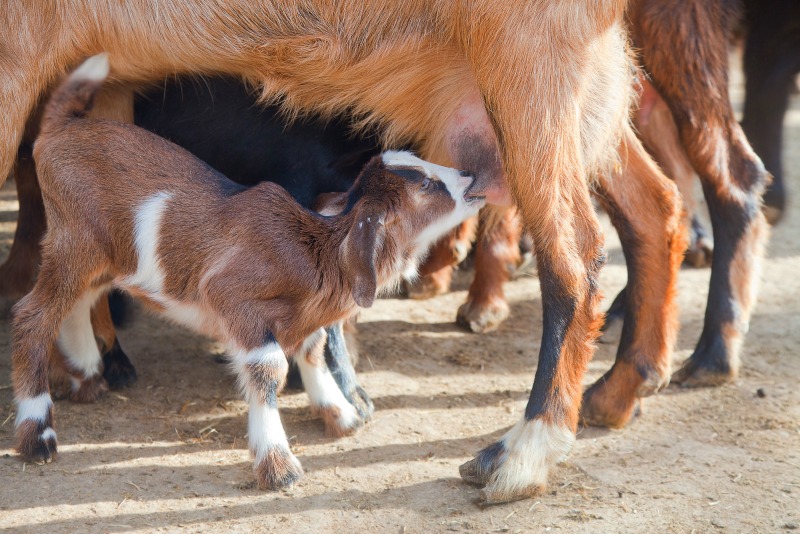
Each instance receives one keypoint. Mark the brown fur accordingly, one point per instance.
(695, 87)
(249, 285)
(536, 90)
(650, 244)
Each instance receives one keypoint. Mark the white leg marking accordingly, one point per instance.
(76, 337)
(33, 409)
(531, 447)
(269, 354)
(323, 391)
(265, 431)
(149, 276)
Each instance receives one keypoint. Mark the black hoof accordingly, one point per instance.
(118, 370)
(709, 365)
(478, 470)
(362, 403)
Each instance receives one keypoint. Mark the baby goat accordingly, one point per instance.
(249, 267)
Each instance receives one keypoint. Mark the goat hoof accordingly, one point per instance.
(478, 470)
(701, 246)
(340, 421)
(426, 287)
(772, 214)
(774, 203)
(362, 403)
(606, 407)
(89, 391)
(693, 374)
(700, 254)
(118, 370)
(278, 469)
(516, 467)
(36, 442)
(483, 317)
(525, 267)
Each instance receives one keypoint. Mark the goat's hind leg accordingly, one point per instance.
(37, 318)
(645, 208)
(18, 272)
(732, 175)
(77, 344)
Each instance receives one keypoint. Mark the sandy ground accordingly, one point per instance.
(170, 453)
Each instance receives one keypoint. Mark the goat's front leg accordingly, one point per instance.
(517, 465)
(262, 372)
(338, 358)
(340, 417)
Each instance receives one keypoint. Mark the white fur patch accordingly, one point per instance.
(149, 276)
(265, 430)
(270, 354)
(93, 69)
(76, 337)
(33, 409)
(48, 433)
(531, 448)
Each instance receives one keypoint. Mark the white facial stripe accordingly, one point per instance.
(264, 429)
(402, 158)
(33, 409)
(436, 229)
(149, 275)
(76, 337)
(48, 433)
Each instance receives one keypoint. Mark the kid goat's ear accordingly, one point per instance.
(361, 252)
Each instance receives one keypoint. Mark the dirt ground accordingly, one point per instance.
(170, 453)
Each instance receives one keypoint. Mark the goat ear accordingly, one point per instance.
(362, 241)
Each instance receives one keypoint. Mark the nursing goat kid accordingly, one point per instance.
(248, 267)
(530, 98)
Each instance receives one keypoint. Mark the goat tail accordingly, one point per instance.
(75, 96)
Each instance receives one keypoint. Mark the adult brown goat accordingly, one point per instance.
(532, 94)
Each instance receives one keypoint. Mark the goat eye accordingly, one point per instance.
(426, 184)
